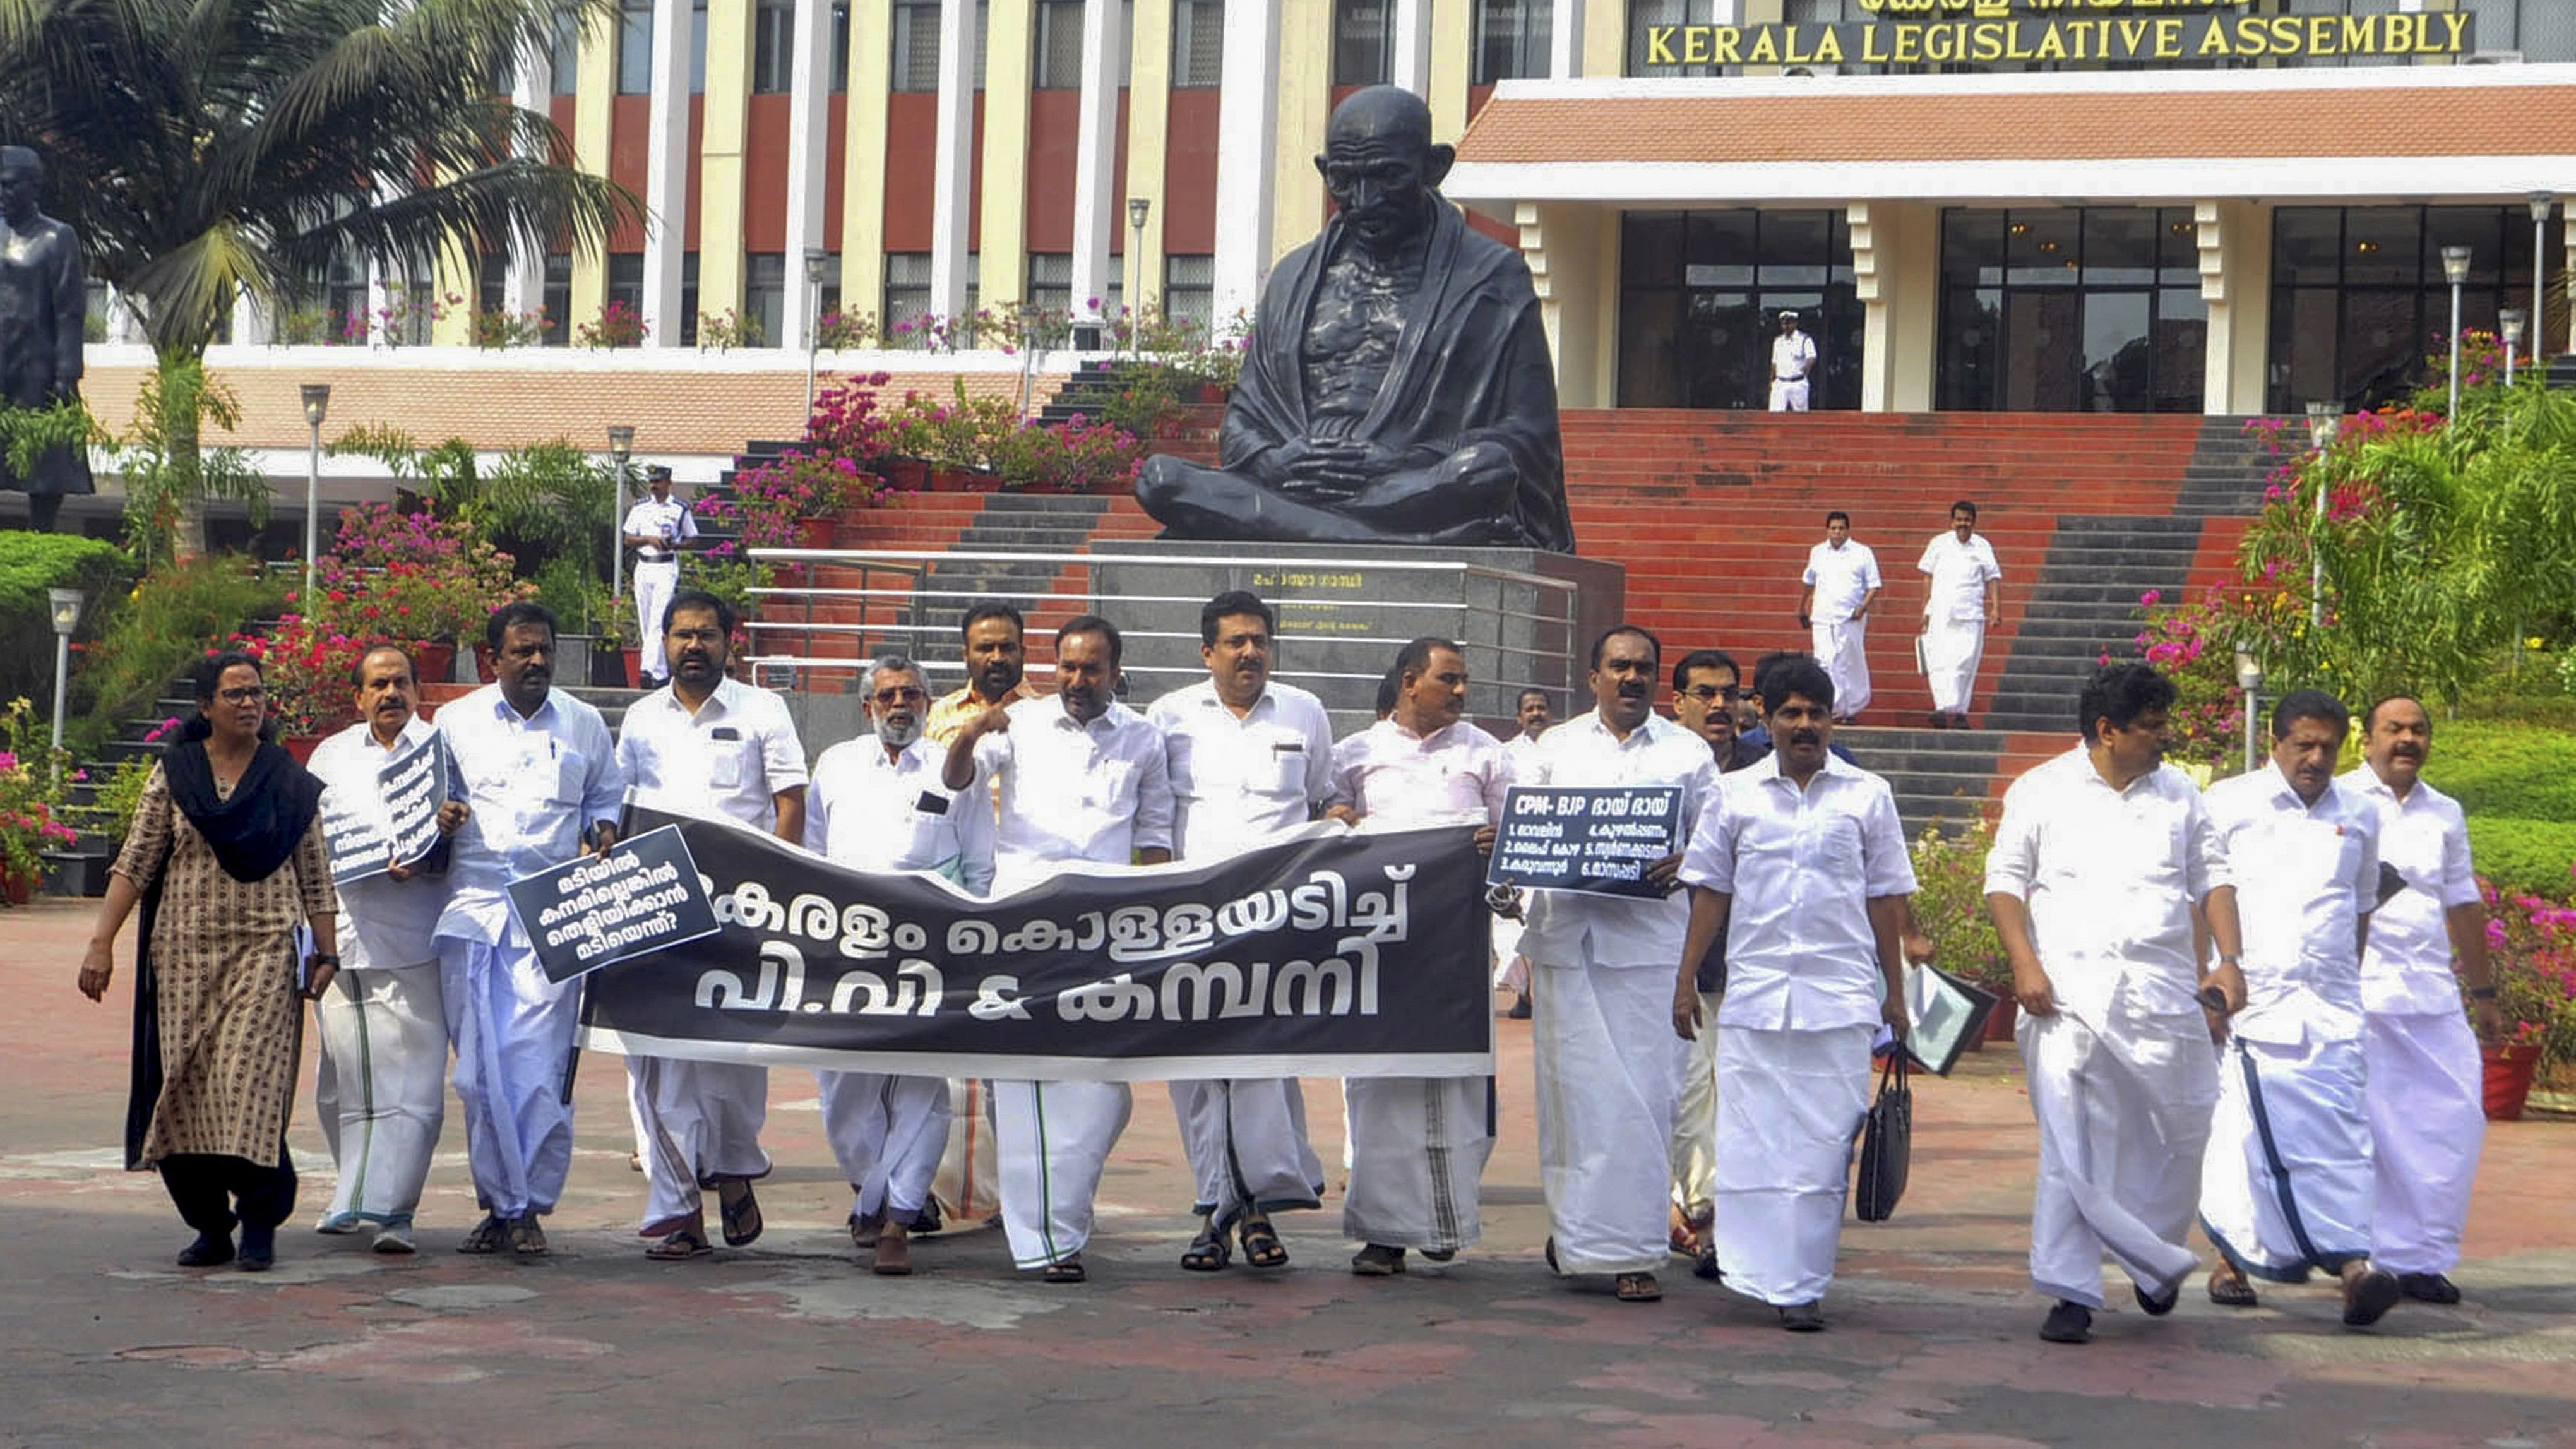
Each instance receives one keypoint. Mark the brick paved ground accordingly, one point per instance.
(1932, 1340)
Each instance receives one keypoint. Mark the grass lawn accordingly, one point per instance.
(2517, 781)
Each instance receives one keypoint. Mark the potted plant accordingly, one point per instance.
(618, 661)
(2532, 943)
(306, 663)
(413, 578)
(31, 801)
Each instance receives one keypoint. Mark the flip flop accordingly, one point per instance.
(679, 1247)
(741, 1212)
(1067, 1271)
(1638, 1288)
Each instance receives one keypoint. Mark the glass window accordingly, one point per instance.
(2307, 244)
(1059, 50)
(1651, 248)
(1198, 42)
(635, 47)
(1051, 281)
(626, 280)
(688, 299)
(916, 45)
(1646, 15)
(773, 46)
(491, 283)
(2067, 309)
(2384, 244)
(2359, 297)
(2547, 32)
(2120, 247)
(1700, 295)
(2040, 248)
(907, 289)
(1972, 245)
(1512, 39)
(558, 298)
(1189, 290)
(1363, 42)
(764, 296)
(2177, 247)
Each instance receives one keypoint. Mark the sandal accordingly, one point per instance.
(741, 1211)
(679, 1247)
(2228, 1288)
(893, 1254)
(1068, 1270)
(1638, 1288)
(1208, 1251)
(1261, 1245)
(488, 1236)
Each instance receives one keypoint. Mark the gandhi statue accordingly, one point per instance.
(43, 302)
(1398, 387)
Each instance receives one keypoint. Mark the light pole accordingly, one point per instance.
(621, 446)
(2249, 678)
(2509, 322)
(1138, 209)
(2325, 419)
(317, 401)
(2455, 269)
(67, 611)
(1029, 315)
(2540, 204)
(815, 260)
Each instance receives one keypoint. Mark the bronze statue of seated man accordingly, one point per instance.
(1397, 387)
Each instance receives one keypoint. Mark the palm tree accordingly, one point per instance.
(205, 149)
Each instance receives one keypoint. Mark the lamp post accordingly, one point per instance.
(67, 611)
(1138, 209)
(621, 446)
(317, 401)
(1029, 315)
(815, 260)
(2325, 419)
(2540, 204)
(2455, 269)
(2509, 322)
(2249, 679)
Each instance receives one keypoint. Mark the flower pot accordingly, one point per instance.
(634, 667)
(944, 480)
(16, 889)
(908, 475)
(982, 482)
(572, 656)
(1211, 392)
(76, 874)
(2000, 1021)
(433, 663)
(815, 533)
(607, 666)
(2508, 1079)
(301, 746)
(483, 663)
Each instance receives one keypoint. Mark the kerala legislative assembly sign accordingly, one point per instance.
(1993, 32)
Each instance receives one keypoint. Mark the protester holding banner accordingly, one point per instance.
(1607, 1071)
(1082, 778)
(1802, 866)
(1248, 758)
(380, 1090)
(712, 747)
(877, 804)
(1419, 1144)
(540, 775)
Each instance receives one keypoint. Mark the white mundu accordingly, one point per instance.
(1954, 616)
(1419, 1144)
(700, 1121)
(870, 810)
(2425, 1085)
(1235, 782)
(2287, 1182)
(1609, 1067)
(1070, 790)
(380, 1092)
(1804, 994)
(1842, 578)
(657, 568)
(2119, 1076)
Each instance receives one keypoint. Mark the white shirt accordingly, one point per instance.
(728, 761)
(1959, 573)
(383, 922)
(1802, 866)
(2305, 876)
(533, 786)
(2407, 968)
(1523, 750)
(1237, 781)
(1073, 791)
(1394, 777)
(2110, 877)
(1842, 578)
(1571, 927)
(874, 811)
(659, 518)
(1789, 352)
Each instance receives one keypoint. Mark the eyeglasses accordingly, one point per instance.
(1707, 692)
(902, 694)
(242, 696)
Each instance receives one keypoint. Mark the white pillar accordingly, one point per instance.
(1565, 38)
(252, 323)
(524, 287)
(1247, 130)
(1096, 212)
(808, 115)
(666, 174)
(1410, 65)
(953, 160)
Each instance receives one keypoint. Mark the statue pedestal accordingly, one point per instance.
(1526, 617)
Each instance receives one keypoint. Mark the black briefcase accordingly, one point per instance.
(1886, 1144)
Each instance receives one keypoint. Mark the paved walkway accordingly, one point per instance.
(1932, 1338)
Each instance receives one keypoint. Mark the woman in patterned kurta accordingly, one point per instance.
(226, 858)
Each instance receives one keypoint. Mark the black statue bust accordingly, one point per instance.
(1398, 387)
(44, 301)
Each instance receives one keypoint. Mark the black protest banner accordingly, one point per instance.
(370, 832)
(1329, 953)
(1598, 839)
(642, 895)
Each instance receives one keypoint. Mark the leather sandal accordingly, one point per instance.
(679, 1247)
(1067, 1270)
(1638, 1288)
(2228, 1288)
(893, 1253)
(1261, 1245)
(1207, 1252)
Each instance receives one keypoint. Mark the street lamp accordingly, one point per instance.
(2509, 322)
(2249, 679)
(1029, 315)
(2540, 203)
(815, 260)
(621, 446)
(317, 401)
(67, 611)
(2325, 419)
(2455, 268)
(1138, 209)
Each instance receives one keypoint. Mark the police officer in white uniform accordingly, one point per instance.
(655, 528)
(1793, 356)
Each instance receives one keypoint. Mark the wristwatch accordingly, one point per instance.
(2237, 961)
(2482, 993)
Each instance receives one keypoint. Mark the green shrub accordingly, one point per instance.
(2501, 768)
(31, 564)
(1949, 904)
(2524, 856)
(168, 622)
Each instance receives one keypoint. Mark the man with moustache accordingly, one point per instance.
(1249, 759)
(380, 1089)
(2102, 857)
(1082, 778)
(2424, 1084)
(1607, 1073)
(714, 748)
(2287, 1185)
(1961, 604)
(1801, 867)
(541, 778)
(1418, 1144)
(993, 639)
(1511, 968)
(877, 804)
(1842, 581)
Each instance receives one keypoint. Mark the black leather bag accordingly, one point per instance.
(1886, 1144)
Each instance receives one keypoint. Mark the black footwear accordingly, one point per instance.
(2157, 1307)
(487, 1236)
(927, 1220)
(1940, 721)
(1209, 1251)
(1377, 1260)
(208, 1251)
(1065, 1270)
(2068, 1323)
(1439, 1255)
(2367, 1298)
(2228, 1288)
(1520, 1008)
(2428, 1287)
(524, 1237)
(1705, 1264)
(258, 1248)
(1550, 1251)
(1807, 1317)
